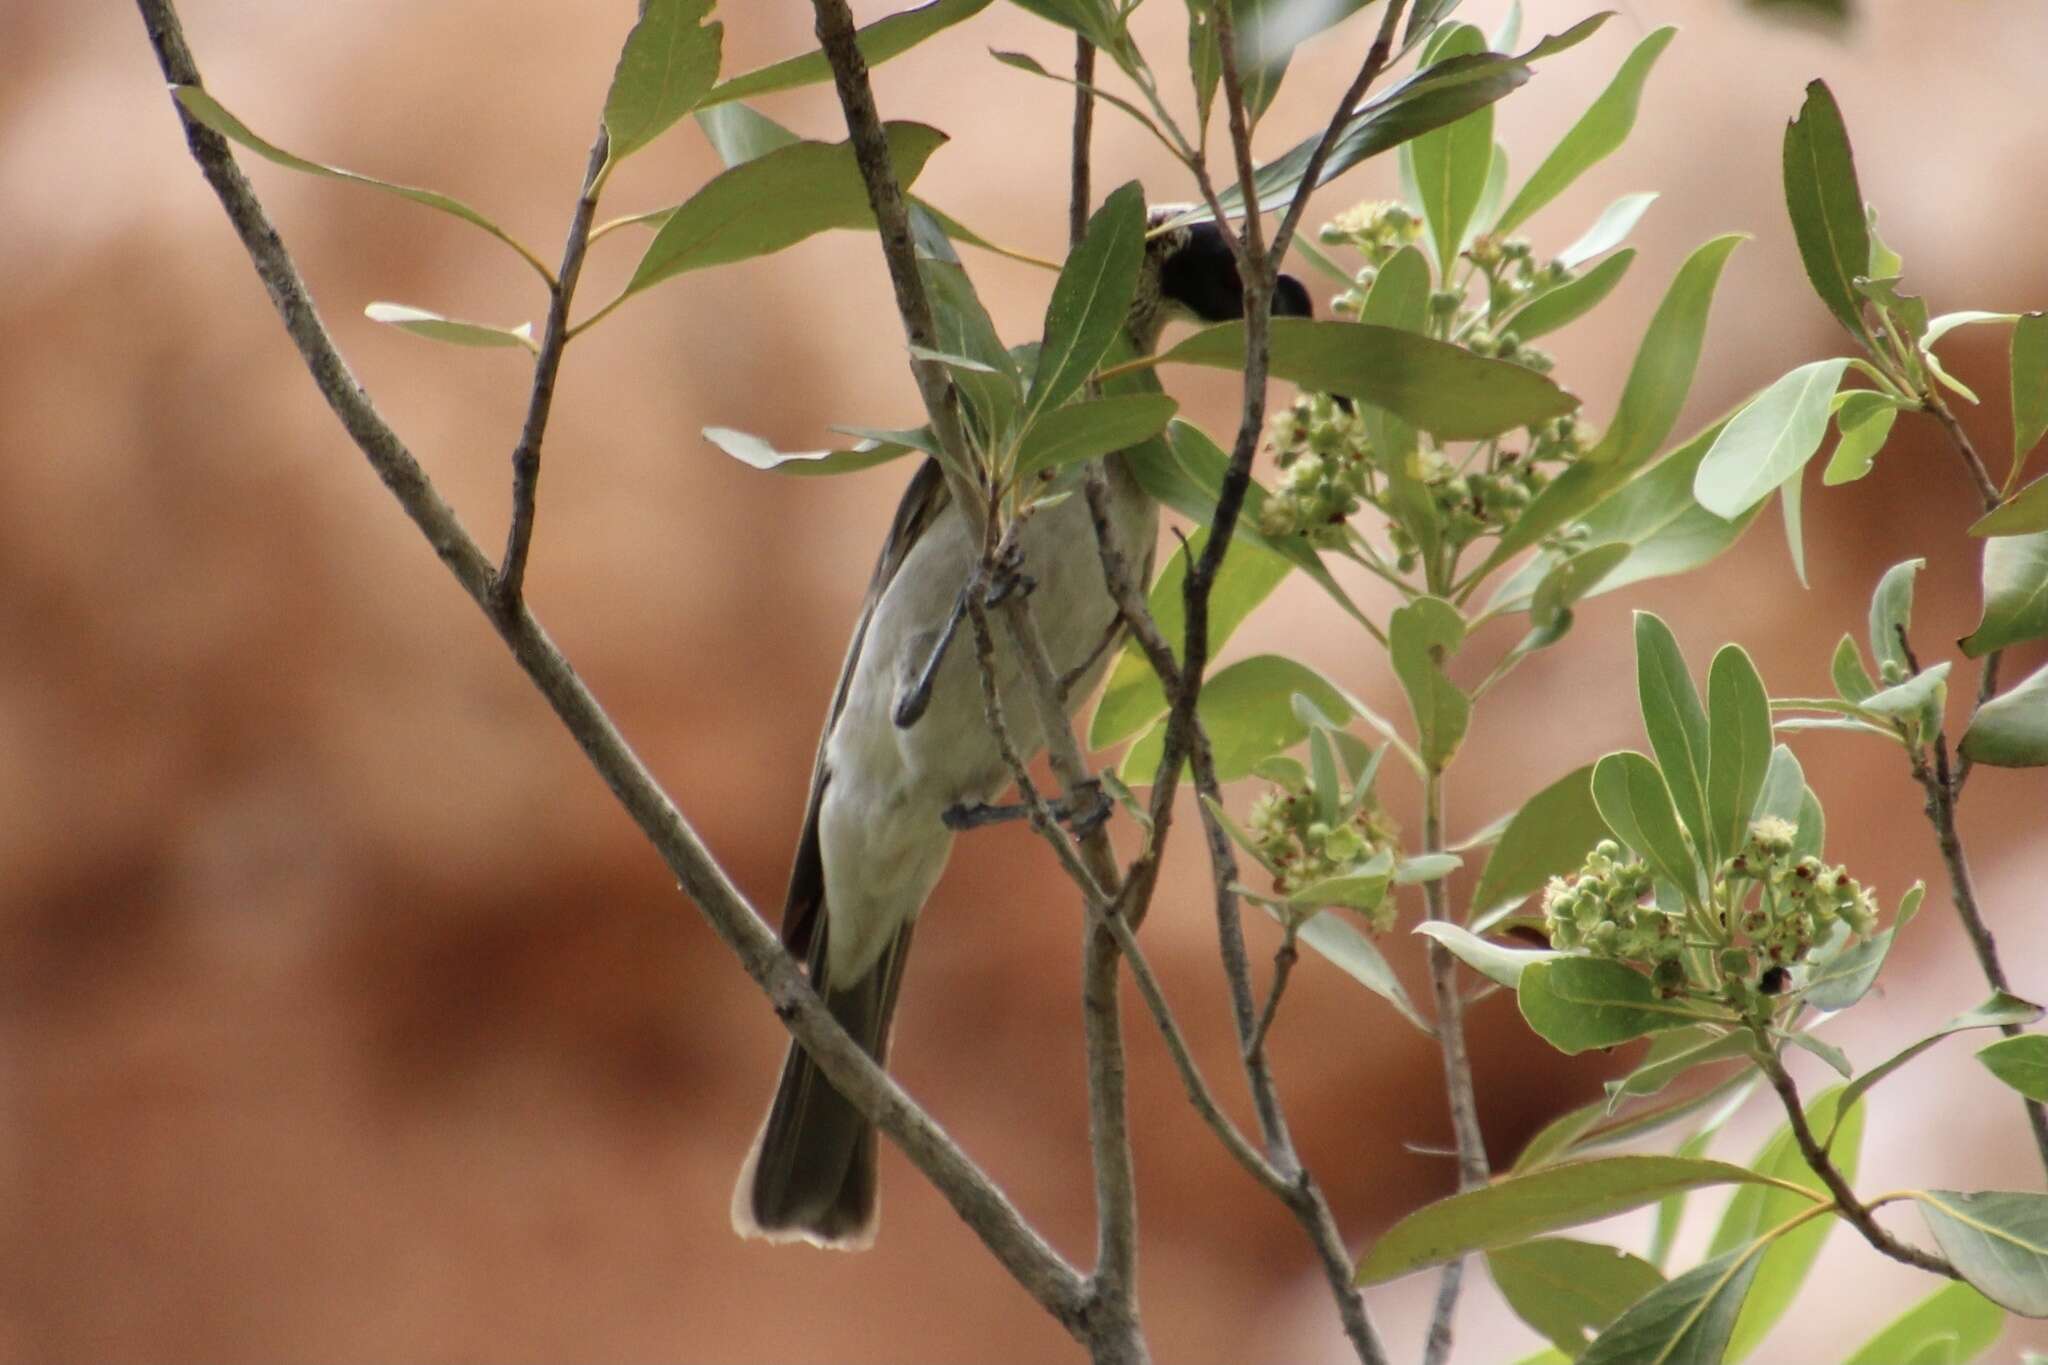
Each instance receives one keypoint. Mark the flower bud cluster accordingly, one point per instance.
(1376, 232)
(1290, 832)
(1800, 900)
(1607, 908)
(1325, 469)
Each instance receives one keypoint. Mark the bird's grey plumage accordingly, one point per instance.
(873, 842)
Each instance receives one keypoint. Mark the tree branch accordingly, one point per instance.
(1852, 1209)
(511, 581)
(1035, 1265)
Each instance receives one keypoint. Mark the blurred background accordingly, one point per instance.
(346, 1017)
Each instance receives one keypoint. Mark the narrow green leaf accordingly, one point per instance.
(1826, 206)
(1997, 1012)
(1671, 1208)
(1335, 938)
(738, 133)
(2029, 384)
(1451, 163)
(1609, 230)
(1650, 402)
(775, 201)
(1999, 1241)
(1133, 697)
(993, 387)
(2021, 1063)
(1910, 699)
(209, 111)
(1756, 1209)
(1399, 298)
(1770, 440)
(1556, 308)
(751, 449)
(1675, 722)
(1091, 428)
(1247, 710)
(1791, 495)
(1684, 1322)
(1598, 133)
(1091, 299)
(1954, 1314)
(1571, 579)
(1636, 804)
(1420, 637)
(1937, 328)
(1591, 1126)
(2024, 513)
(1568, 1290)
(1491, 960)
(437, 327)
(667, 66)
(1738, 748)
(1549, 836)
(1545, 1200)
(1673, 1054)
(1865, 421)
(1579, 1003)
(2011, 730)
(2015, 594)
(1430, 384)
(1891, 615)
(890, 36)
(1853, 682)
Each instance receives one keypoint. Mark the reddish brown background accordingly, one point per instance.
(344, 1015)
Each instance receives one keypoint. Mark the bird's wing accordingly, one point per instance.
(924, 501)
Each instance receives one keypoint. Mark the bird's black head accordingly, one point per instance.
(1201, 276)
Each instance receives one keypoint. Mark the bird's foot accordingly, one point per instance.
(1083, 811)
(1007, 578)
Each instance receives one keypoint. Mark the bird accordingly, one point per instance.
(875, 836)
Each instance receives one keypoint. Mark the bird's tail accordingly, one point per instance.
(811, 1174)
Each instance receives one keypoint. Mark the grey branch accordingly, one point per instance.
(1035, 1265)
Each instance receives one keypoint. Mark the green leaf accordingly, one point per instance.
(1955, 1314)
(1826, 206)
(1399, 297)
(1671, 1208)
(1738, 748)
(2029, 385)
(1940, 327)
(1545, 1200)
(1248, 712)
(1997, 1012)
(1420, 637)
(2021, 1063)
(1853, 682)
(738, 133)
(1580, 1003)
(1490, 960)
(1676, 724)
(1430, 384)
(2011, 730)
(994, 386)
(1094, 20)
(775, 201)
(1091, 428)
(1770, 440)
(1091, 298)
(209, 112)
(1684, 1322)
(2015, 594)
(1133, 697)
(1334, 937)
(751, 449)
(1598, 133)
(1913, 697)
(1609, 230)
(1451, 163)
(1591, 1126)
(1568, 1290)
(1891, 615)
(1791, 494)
(666, 67)
(1549, 836)
(2024, 513)
(1636, 805)
(1999, 1241)
(1571, 579)
(1567, 303)
(890, 36)
(1650, 403)
(436, 327)
(1864, 420)
(1837, 979)
(1673, 1054)
(1756, 1209)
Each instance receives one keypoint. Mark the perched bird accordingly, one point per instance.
(874, 838)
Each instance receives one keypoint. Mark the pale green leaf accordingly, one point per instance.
(1998, 1239)
(667, 66)
(2015, 594)
(1770, 440)
(1598, 133)
(2011, 730)
(437, 327)
(890, 36)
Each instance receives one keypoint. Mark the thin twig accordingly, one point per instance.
(1473, 1169)
(1079, 201)
(1283, 967)
(511, 582)
(1853, 1211)
(1056, 1285)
